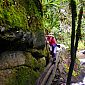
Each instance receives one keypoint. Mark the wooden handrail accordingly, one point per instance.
(48, 75)
(40, 79)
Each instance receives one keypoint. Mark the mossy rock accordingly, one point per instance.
(30, 60)
(23, 76)
(37, 65)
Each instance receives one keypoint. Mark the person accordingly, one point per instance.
(52, 44)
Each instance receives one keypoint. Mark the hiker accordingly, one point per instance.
(52, 44)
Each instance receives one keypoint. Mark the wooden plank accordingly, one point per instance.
(54, 70)
(47, 75)
(40, 79)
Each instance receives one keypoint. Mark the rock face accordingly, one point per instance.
(20, 33)
(12, 59)
(39, 39)
(19, 68)
(20, 40)
(22, 56)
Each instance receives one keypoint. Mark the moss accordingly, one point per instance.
(36, 65)
(30, 61)
(32, 7)
(39, 53)
(23, 14)
(41, 64)
(34, 13)
(12, 16)
(23, 76)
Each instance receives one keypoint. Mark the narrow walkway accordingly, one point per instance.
(48, 75)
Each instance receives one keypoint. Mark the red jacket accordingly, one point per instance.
(51, 40)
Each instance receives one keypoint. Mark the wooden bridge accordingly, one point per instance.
(48, 75)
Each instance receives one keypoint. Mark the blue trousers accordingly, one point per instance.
(53, 52)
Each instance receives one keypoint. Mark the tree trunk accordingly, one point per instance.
(78, 34)
(74, 14)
